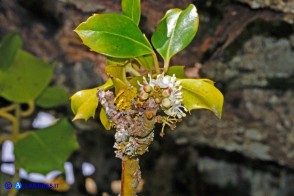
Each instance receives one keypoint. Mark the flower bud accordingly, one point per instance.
(147, 88)
(143, 96)
(157, 100)
(166, 92)
(166, 103)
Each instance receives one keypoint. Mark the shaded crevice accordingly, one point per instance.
(277, 29)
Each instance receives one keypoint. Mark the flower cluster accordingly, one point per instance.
(166, 91)
(134, 116)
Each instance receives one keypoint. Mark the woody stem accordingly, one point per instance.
(131, 176)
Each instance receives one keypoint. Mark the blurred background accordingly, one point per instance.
(245, 46)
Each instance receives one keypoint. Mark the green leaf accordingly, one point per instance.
(25, 79)
(104, 119)
(118, 85)
(113, 35)
(52, 97)
(47, 149)
(9, 46)
(117, 61)
(132, 9)
(178, 70)
(115, 71)
(85, 102)
(202, 94)
(175, 31)
(145, 61)
(135, 80)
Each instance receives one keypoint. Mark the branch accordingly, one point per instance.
(131, 176)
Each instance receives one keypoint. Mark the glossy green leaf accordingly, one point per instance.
(132, 9)
(104, 119)
(46, 149)
(145, 61)
(113, 35)
(178, 70)
(175, 31)
(202, 94)
(85, 102)
(116, 72)
(9, 46)
(52, 97)
(26, 78)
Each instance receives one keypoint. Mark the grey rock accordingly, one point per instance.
(286, 7)
(83, 76)
(259, 183)
(258, 114)
(262, 62)
(253, 134)
(278, 5)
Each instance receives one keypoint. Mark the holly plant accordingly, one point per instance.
(139, 92)
(24, 81)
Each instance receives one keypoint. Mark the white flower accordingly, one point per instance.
(174, 95)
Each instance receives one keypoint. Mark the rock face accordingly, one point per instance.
(281, 6)
(262, 62)
(255, 74)
(284, 6)
(258, 114)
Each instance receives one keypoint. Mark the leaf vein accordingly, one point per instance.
(50, 153)
(125, 37)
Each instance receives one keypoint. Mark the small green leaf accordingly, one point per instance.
(25, 79)
(85, 102)
(113, 35)
(178, 70)
(117, 71)
(118, 85)
(104, 119)
(202, 94)
(175, 31)
(52, 97)
(47, 149)
(132, 9)
(145, 61)
(9, 46)
(135, 80)
(117, 61)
